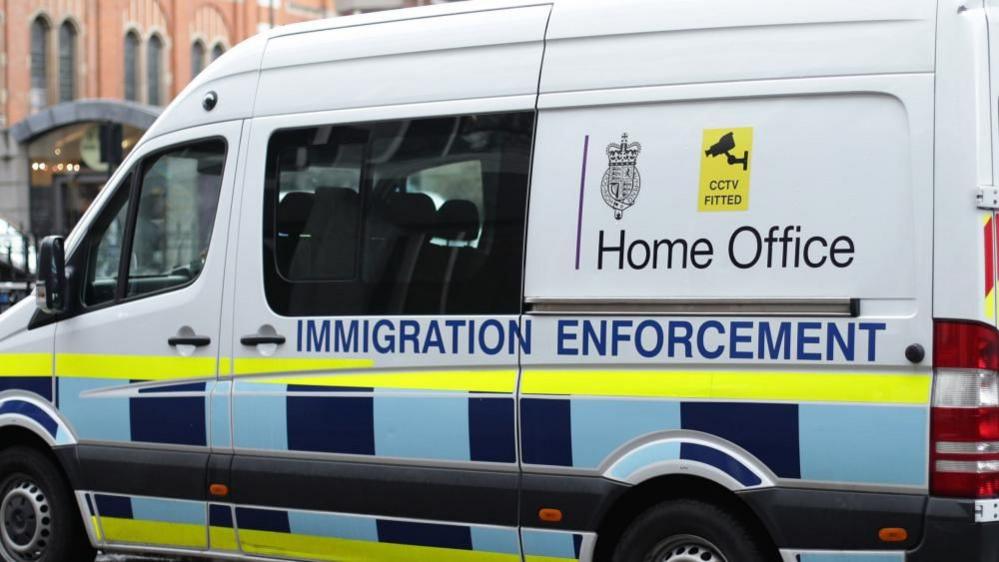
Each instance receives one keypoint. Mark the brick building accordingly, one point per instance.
(80, 77)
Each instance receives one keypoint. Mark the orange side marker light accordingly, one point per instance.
(893, 534)
(550, 515)
(218, 490)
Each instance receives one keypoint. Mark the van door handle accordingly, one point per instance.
(196, 341)
(257, 339)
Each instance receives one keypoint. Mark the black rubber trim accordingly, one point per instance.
(441, 494)
(836, 520)
(432, 493)
(138, 471)
(583, 500)
(951, 534)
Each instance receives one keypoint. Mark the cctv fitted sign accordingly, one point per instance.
(725, 169)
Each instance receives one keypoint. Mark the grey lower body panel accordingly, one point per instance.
(473, 496)
(836, 520)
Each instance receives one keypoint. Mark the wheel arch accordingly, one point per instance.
(31, 421)
(637, 499)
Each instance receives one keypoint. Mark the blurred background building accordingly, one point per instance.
(81, 80)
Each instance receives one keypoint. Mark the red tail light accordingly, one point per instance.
(964, 447)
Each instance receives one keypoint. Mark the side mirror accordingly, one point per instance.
(50, 291)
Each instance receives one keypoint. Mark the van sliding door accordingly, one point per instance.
(377, 327)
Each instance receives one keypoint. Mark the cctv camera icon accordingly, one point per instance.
(726, 145)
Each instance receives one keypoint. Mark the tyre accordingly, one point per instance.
(39, 517)
(689, 531)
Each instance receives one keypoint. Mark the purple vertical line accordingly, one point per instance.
(582, 187)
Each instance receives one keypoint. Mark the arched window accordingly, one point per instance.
(197, 58)
(39, 63)
(217, 51)
(67, 62)
(131, 66)
(154, 69)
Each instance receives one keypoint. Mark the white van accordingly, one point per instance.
(538, 281)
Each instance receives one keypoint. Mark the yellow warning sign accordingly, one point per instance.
(726, 156)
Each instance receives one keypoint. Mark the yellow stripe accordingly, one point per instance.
(25, 365)
(990, 305)
(225, 366)
(153, 532)
(96, 527)
(222, 538)
(343, 550)
(504, 381)
(140, 367)
(267, 365)
(734, 385)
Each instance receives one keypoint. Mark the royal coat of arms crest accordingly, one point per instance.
(621, 182)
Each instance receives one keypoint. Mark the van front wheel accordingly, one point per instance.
(39, 519)
(688, 531)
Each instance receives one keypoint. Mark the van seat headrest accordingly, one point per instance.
(293, 211)
(457, 220)
(414, 211)
(336, 197)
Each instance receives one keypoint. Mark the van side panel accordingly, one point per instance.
(684, 320)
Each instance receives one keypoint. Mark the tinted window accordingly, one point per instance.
(422, 216)
(179, 194)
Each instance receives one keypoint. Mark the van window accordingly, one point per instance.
(170, 228)
(106, 239)
(178, 197)
(418, 216)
